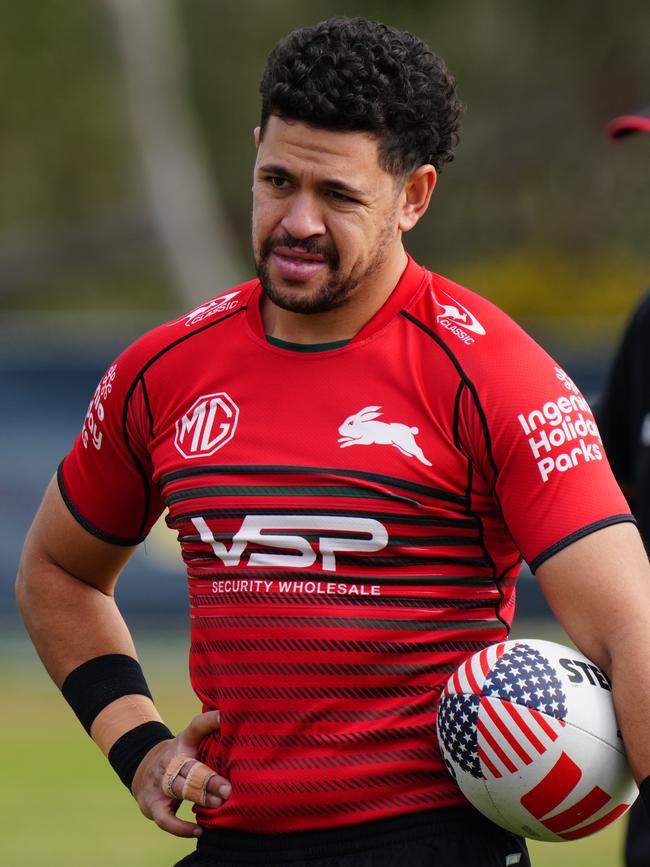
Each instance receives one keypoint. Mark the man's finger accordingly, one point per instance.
(165, 818)
(203, 724)
(195, 787)
(172, 770)
(186, 778)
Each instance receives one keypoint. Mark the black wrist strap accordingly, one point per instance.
(128, 751)
(94, 685)
(99, 681)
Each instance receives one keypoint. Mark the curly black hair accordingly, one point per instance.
(352, 74)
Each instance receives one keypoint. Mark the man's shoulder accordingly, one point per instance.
(206, 315)
(224, 304)
(143, 354)
(489, 350)
(468, 323)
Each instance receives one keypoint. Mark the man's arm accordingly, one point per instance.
(65, 588)
(599, 590)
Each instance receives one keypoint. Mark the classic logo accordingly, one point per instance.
(258, 530)
(459, 320)
(362, 429)
(222, 304)
(207, 426)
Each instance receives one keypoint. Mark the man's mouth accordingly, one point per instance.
(297, 265)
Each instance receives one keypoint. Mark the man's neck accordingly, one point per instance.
(343, 322)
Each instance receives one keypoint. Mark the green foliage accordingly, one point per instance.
(63, 147)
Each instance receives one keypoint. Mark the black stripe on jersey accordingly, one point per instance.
(466, 521)
(304, 491)
(136, 460)
(320, 692)
(145, 396)
(324, 761)
(376, 805)
(579, 534)
(464, 646)
(324, 739)
(319, 669)
(457, 441)
(236, 597)
(300, 621)
(368, 561)
(339, 715)
(281, 470)
(459, 394)
(402, 780)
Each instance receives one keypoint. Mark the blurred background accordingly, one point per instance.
(126, 153)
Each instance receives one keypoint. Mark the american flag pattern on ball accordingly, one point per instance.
(501, 709)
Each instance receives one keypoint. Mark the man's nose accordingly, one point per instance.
(303, 218)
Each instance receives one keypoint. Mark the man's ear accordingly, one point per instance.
(416, 196)
(257, 135)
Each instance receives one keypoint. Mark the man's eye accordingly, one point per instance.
(276, 182)
(339, 197)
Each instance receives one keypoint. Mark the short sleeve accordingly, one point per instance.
(106, 479)
(540, 449)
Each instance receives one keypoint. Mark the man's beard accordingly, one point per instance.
(334, 293)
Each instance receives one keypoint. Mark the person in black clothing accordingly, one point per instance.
(624, 421)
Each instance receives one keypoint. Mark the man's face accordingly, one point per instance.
(324, 215)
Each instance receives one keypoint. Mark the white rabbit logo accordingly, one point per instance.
(361, 429)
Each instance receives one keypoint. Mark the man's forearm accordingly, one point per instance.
(86, 647)
(631, 691)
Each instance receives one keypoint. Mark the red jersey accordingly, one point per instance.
(352, 521)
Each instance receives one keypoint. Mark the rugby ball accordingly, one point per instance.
(527, 729)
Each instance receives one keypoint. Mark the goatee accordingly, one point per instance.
(331, 295)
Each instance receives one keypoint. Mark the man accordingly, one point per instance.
(355, 453)
(624, 419)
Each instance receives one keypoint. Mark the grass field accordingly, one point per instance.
(61, 805)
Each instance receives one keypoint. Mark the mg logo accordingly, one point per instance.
(207, 426)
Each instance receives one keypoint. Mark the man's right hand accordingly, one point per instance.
(171, 773)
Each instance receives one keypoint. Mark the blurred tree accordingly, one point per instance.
(538, 211)
(196, 238)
